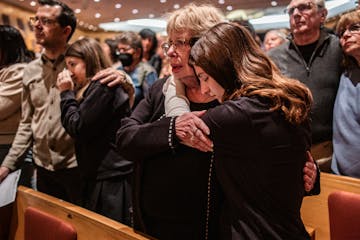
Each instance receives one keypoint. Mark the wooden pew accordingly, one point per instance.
(314, 210)
(88, 225)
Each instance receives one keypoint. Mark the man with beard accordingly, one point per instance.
(40, 124)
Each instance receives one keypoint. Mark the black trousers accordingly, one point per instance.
(110, 197)
(65, 184)
(27, 166)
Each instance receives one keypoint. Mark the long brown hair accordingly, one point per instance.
(89, 50)
(229, 54)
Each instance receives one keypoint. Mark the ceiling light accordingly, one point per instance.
(229, 8)
(157, 25)
(96, 0)
(118, 5)
(221, 1)
(97, 15)
(78, 10)
(33, 3)
(116, 19)
(163, 1)
(135, 11)
(151, 15)
(176, 6)
(274, 3)
(148, 22)
(334, 7)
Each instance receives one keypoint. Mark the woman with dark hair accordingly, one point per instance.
(13, 59)
(91, 114)
(150, 43)
(260, 133)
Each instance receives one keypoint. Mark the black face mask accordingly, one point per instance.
(126, 59)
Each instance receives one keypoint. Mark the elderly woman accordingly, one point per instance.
(261, 133)
(346, 118)
(171, 179)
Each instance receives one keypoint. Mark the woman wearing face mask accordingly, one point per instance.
(260, 133)
(130, 53)
(91, 114)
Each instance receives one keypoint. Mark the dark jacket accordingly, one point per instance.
(93, 123)
(170, 186)
(258, 159)
(321, 75)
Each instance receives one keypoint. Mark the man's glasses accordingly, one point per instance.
(303, 7)
(354, 28)
(43, 21)
(177, 44)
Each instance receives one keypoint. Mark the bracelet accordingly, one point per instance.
(170, 138)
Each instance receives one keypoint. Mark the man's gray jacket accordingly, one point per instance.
(321, 75)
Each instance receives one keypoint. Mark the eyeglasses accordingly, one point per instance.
(177, 44)
(43, 21)
(354, 28)
(123, 49)
(302, 8)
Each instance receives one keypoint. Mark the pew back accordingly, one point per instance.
(88, 225)
(314, 210)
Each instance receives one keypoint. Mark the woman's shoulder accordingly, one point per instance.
(246, 103)
(242, 109)
(13, 72)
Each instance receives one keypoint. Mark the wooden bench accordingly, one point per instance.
(88, 225)
(314, 210)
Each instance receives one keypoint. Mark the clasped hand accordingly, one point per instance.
(193, 132)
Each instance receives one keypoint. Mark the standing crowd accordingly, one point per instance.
(220, 147)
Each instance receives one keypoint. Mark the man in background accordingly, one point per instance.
(313, 56)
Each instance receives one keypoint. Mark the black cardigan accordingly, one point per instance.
(93, 123)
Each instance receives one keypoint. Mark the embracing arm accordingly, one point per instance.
(88, 118)
(146, 131)
(114, 77)
(311, 176)
(193, 132)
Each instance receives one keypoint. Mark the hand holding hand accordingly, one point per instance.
(193, 132)
(64, 81)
